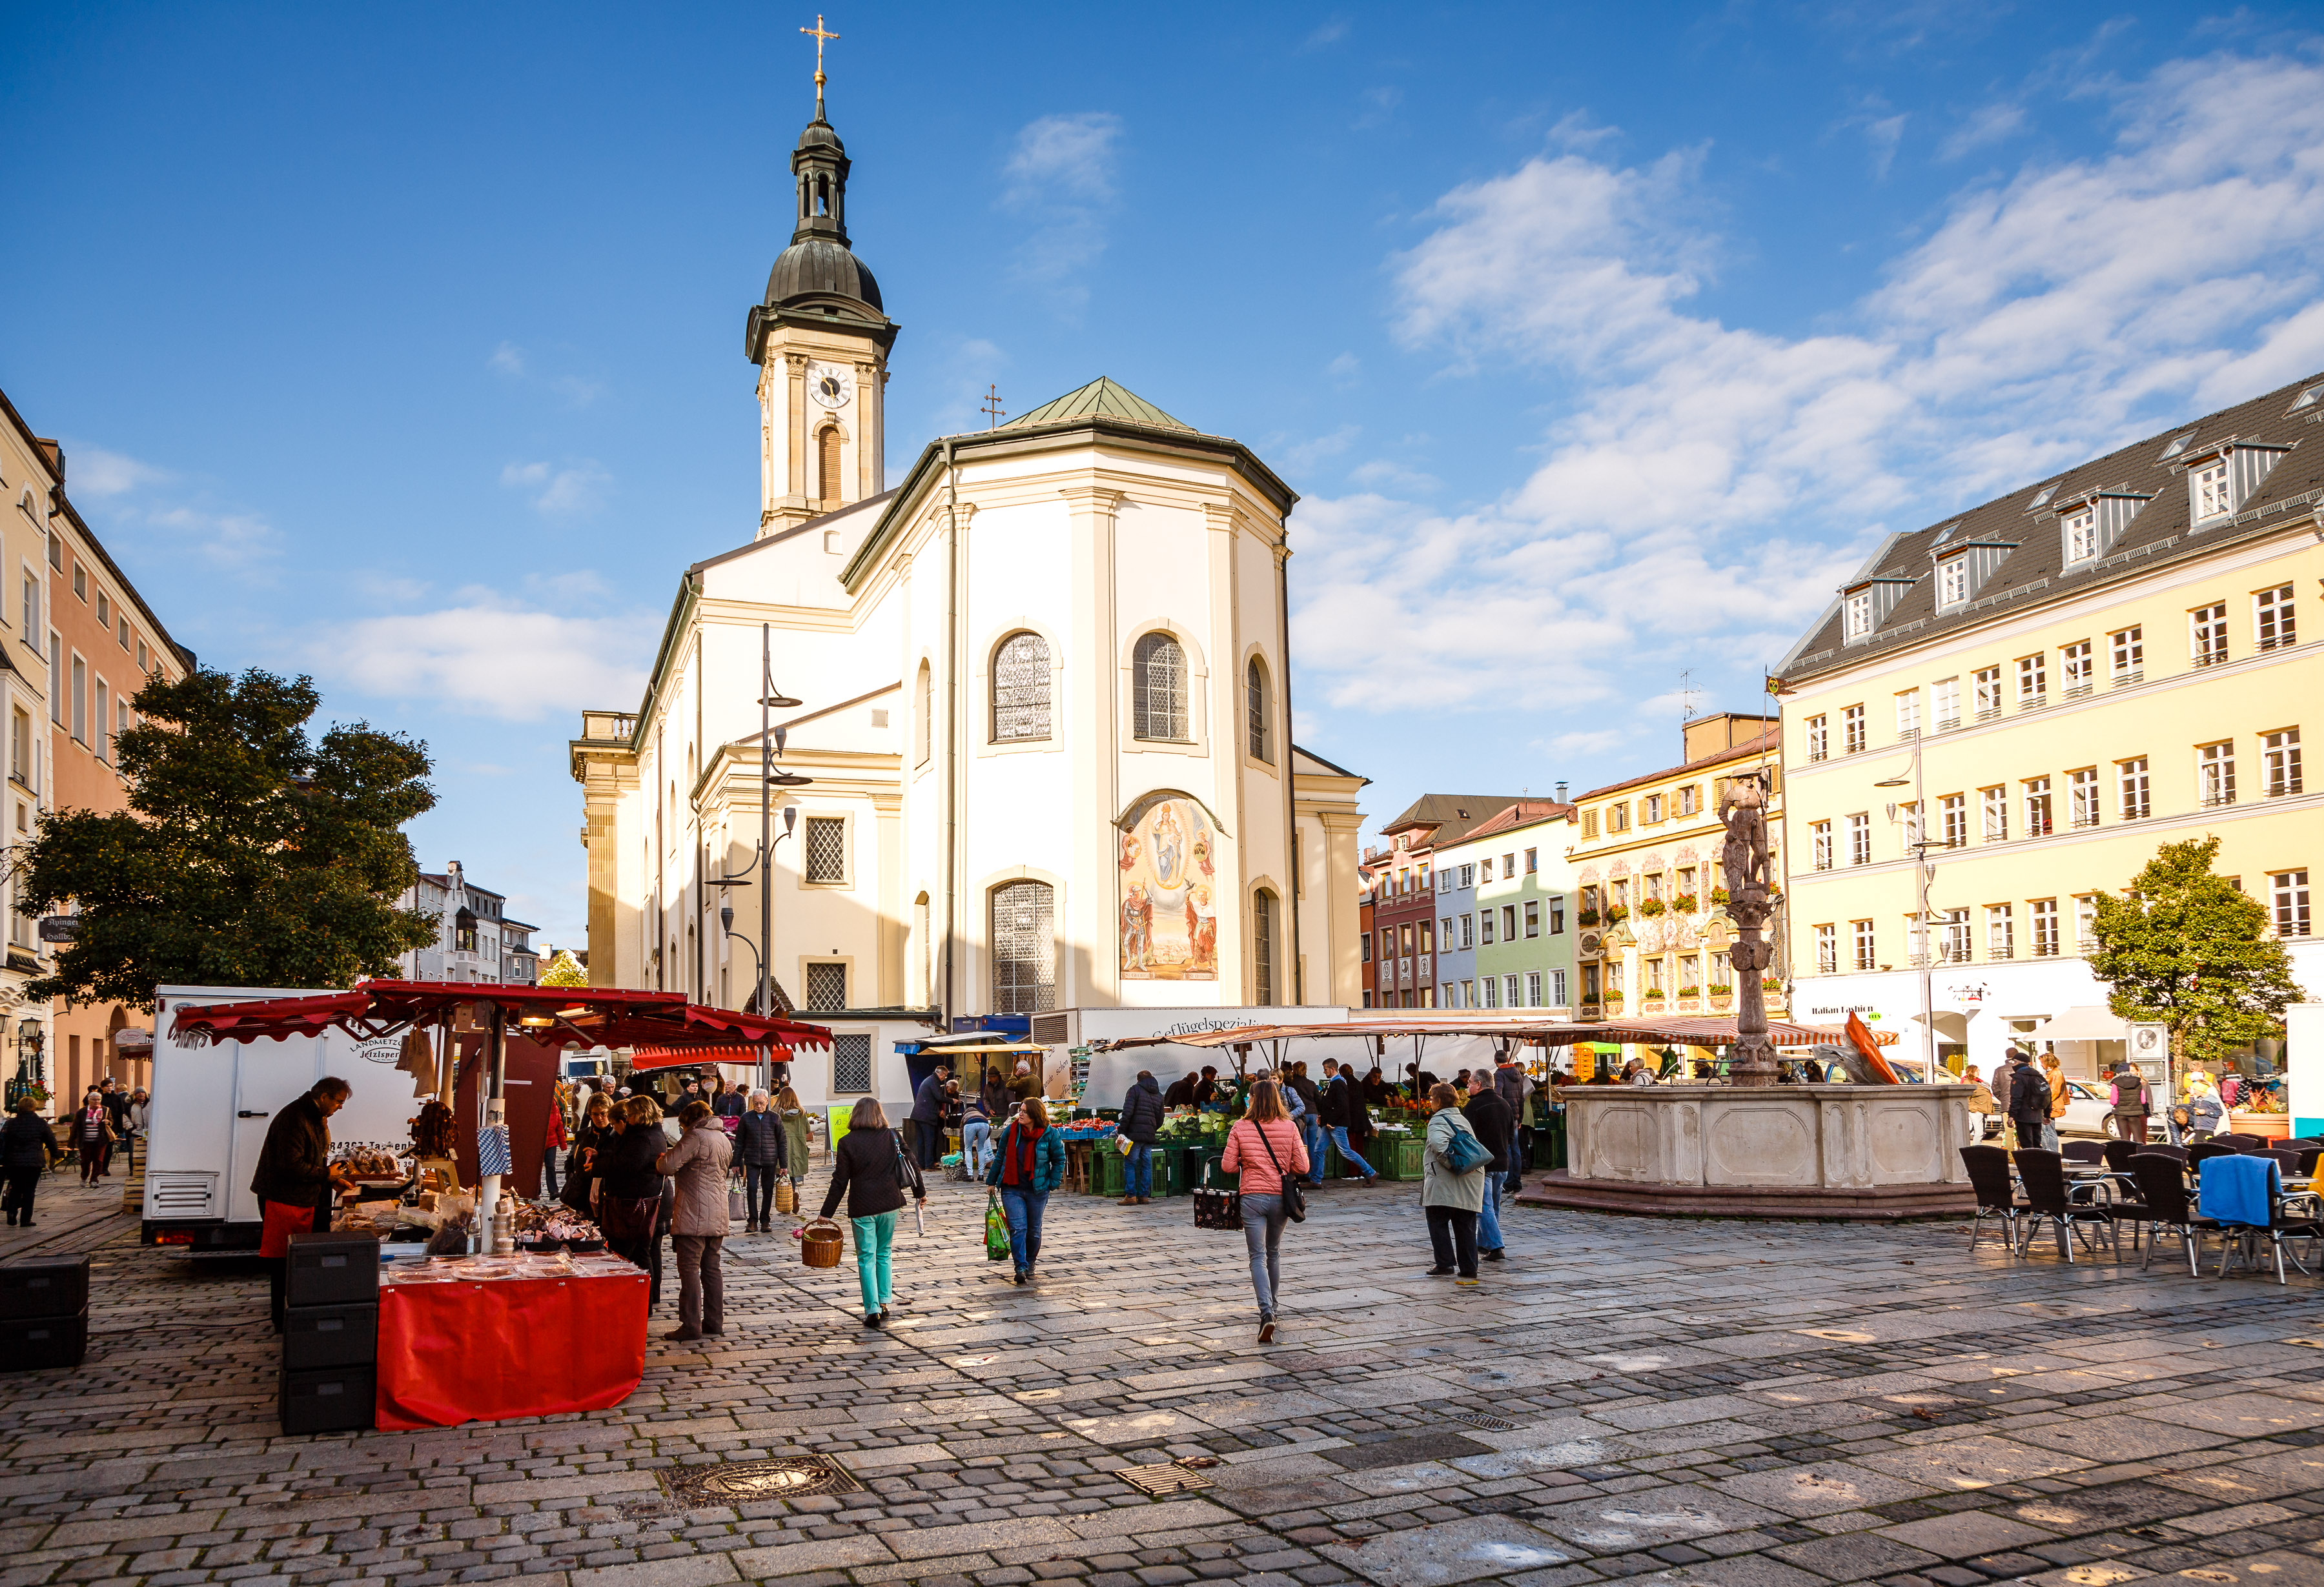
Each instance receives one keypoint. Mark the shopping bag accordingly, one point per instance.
(738, 1205)
(1215, 1208)
(996, 1231)
(784, 1201)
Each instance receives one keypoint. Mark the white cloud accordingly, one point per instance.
(92, 471)
(1987, 124)
(489, 657)
(165, 511)
(1060, 175)
(573, 491)
(1707, 485)
(1328, 33)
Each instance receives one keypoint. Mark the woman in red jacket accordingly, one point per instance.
(1264, 1145)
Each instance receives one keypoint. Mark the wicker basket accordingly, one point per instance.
(819, 1246)
(784, 1201)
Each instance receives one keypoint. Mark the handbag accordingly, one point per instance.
(738, 1205)
(1295, 1196)
(1215, 1208)
(1466, 1154)
(784, 1201)
(996, 1229)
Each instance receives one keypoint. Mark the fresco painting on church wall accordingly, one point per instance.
(1169, 923)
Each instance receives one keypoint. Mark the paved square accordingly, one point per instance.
(1694, 1405)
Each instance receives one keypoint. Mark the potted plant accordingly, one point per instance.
(1610, 999)
(1651, 908)
(1651, 994)
(1683, 904)
(1690, 991)
(1722, 996)
(1615, 913)
(1718, 896)
(1587, 917)
(1769, 984)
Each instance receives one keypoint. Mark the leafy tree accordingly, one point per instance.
(249, 856)
(563, 970)
(2187, 949)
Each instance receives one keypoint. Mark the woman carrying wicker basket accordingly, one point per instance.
(870, 1168)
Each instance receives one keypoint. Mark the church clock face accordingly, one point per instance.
(829, 384)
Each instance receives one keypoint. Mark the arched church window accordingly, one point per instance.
(1020, 688)
(1024, 949)
(826, 464)
(1158, 688)
(1258, 711)
(925, 716)
(823, 194)
(1262, 948)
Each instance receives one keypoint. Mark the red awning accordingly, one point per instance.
(565, 1016)
(663, 1058)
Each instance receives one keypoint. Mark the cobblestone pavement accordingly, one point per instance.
(1687, 1403)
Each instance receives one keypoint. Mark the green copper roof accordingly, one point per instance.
(1100, 398)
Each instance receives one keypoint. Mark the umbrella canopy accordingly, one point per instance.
(1685, 1030)
(553, 1016)
(2082, 1022)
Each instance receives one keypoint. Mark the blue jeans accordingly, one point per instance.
(1262, 1233)
(1348, 1155)
(1311, 1134)
(1023, 1206)
(976, 1146)
(1489, 1216)
(873, 1236)
(1137, 1173)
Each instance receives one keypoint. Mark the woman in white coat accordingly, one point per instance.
(1453, 1200)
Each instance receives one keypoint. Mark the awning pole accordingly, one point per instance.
(495, 1218)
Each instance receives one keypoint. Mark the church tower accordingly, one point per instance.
(820, 340)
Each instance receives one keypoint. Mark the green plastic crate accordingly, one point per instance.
(1411, 1157)
(1111, 1165)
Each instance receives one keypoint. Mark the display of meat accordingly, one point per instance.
(436, 1131)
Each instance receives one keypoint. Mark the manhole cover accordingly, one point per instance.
(1489, 1423)
(788, 1477)
(1161, 1482)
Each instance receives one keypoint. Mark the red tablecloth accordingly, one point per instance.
(502, 1348)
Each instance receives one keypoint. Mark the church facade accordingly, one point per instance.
(1043, 705)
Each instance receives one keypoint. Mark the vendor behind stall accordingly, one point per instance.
(297, 1182)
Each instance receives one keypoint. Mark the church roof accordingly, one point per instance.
(1102, 398)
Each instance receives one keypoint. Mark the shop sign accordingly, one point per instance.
(1840, 1011)
(2149, 1042)
(1966, 994)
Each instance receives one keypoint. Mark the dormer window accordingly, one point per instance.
(2091, 524)
(1952, 582)
(2212, 499)
(2220, 483)
(2176, 446)
(2081, 528)
(1859, 614)
(2305, 400)
(1865, 607)
(2042, 497)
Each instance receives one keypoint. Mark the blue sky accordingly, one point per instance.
(404, 347)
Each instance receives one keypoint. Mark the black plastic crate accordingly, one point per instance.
(333, 1269)
(329, 1399)
(33, 1344)
(44, 1287)
(329, 1337)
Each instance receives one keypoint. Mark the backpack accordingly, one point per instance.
(2038, 1097)
(1466, 1154)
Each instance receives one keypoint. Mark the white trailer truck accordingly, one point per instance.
(213, 1102)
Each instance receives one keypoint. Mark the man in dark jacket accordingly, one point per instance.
(2029, 1098)
(928, 1117)
(27, 1146)
(1510, 1086)
(762, 1146)
(1182, 1092)
(1340, 1104)
(1495, 1129)
(1310, 1123)
(297, 1182)
(1139, 1123)
(1206, 1089)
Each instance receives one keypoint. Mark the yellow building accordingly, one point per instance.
(1652, 925)
(2053, 686)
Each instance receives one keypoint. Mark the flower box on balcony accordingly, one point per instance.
(1683, 904)
(1718, 896)
(1617, 914)
(1587, 917)
(1651, 908)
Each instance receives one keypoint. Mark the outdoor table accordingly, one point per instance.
(490, 1340)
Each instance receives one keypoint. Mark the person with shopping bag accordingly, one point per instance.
(799, 1139)
(761, 1147)
(1030, 1163)
(870, 1168)
(696, 1167)
(1452, 1186)
(1266, 1148)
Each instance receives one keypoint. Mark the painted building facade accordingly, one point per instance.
(476, 939)
(1524, 903)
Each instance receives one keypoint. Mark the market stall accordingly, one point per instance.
(493, 1333)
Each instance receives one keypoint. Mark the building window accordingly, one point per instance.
(2134, 788)
(1259, 710)
(1948, 704)
(1021, 688)
(2129, 647)
(1589, 824)
(1157, 689)
(2215, 772)
(1859, 838)
(1557, 998)
(1024, 949)
(827, 990)
(1509, 922)
(2288, 896)
(1484, 927)
(1262, 948)
(2084, 786)
(32, 609)
(1826, 942)
(2000, 932)
(2074, 663)
(1819, 835)
(1952, 582)
(103, 743)
(80, 699)
(2046, 927)
(1532, 918)
(1533, 989)
(923, 730)
(2212, 497)
(1651, 811)
(1618, 817)
(2082, 535)
(125, 633)
(2206, 627)
(2032, 682)
(2272, 617)
(1468, 932)
(826, 464)
(1908, 714)
(104, 611)
(1859, 614)
(2037, 807)
(80, 580)
(20, 748)
(2086, 916)
(1953, 815)
(851, 1064)
(2280, 762)
(1492, 990)
(1995, 802)
(827, 848)
(1867, 951)
(1852, 733)
(1532, 856)
(1818, 740)
(1988, 693)
(1557, 918)
(1952, 936)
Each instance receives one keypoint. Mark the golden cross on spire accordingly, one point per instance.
(821, 38)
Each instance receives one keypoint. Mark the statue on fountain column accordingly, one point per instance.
(1747, 863)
